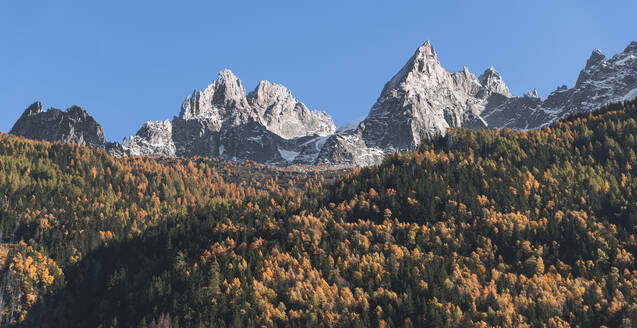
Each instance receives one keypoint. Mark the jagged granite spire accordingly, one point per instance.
(422, 100)
(422, 70)
(466, 81)
(224, 93)
(631, 48)
(595, 60)
(602, 81)
(276, 108)
(596, 57)
(492, 81)
(222, 121)
(270, 126)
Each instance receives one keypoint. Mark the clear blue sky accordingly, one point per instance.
(127, 62)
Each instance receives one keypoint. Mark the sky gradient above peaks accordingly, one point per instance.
(127, 62)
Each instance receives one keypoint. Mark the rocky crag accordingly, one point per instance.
(269, 125)
(73, 125)
(424, 99)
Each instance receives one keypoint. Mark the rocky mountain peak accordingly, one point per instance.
(532, 94)
(153, 138)
(223, 94)
(271, 126)
(423, 70)
(268, 125)
(267, 93)
(34, 109)
(227, 89)
(77, 111)
(425, 60)
(427, 51)
(423, 99)
(466, 81)
(596, 57)
(276, 108)
(632, 47)
(492, 81)
(73, 125)
(465, 73)
(592, 64)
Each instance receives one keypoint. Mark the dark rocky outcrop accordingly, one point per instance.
(72, 125)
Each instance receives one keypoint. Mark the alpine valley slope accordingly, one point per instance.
(269, 125)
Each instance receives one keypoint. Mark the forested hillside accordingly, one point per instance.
(58, 202)
(477, 228)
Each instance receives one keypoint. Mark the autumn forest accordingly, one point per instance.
(476, 228)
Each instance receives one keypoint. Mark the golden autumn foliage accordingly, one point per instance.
(492, 228)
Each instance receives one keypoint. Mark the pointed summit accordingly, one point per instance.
(267, 93)
(492, 81)
(425, 60)
(277, 109)
(465, 74)
(35, 108)
(227, 89)
(423, 69)
(225, 92)
(632, 47)
(466, 81)
(426, 50)
(596, 57)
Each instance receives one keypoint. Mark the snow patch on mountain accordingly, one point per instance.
(632, 94)
(288, 155)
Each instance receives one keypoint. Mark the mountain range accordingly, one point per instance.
(269, 125)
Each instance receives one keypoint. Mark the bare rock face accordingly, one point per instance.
(276, 108)
(410, 107)
(492, 82)
(269, 126)
(423, 100)
(73, 125)
(601, 82)
(218, 101)
(154, 138)
(350, 149)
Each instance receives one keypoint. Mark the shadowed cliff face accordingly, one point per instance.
(73, 125)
